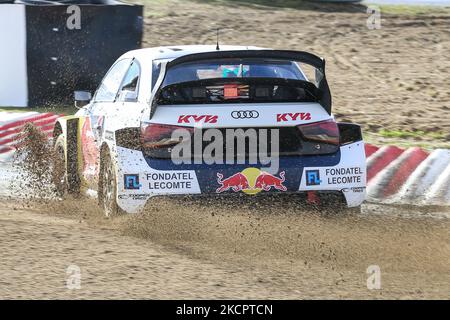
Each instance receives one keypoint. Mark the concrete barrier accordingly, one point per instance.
(439, 192)
(389, 180)
(424, 177)
(380, 159)
(370, 149)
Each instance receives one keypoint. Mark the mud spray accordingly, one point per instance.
(33, 161)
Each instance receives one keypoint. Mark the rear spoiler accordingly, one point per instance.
(300, 56)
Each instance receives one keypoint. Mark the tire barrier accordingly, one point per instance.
(54, 48)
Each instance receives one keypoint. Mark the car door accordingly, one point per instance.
(93, 126)
(128, 107)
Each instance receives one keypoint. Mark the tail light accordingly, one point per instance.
(155, 135)
(324, 131)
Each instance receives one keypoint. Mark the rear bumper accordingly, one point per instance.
(140, 179)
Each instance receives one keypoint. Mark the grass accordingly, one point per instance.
(413, 10)
(407, 139)
(410, 134)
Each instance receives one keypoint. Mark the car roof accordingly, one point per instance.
(172, 52)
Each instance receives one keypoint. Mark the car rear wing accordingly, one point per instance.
(298, 56)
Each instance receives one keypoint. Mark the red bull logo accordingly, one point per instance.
(251, 181)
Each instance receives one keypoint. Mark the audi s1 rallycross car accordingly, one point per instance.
(192, 120)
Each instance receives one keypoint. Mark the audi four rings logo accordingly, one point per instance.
(245, 114)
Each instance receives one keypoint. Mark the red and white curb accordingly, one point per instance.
(411, 176)
(11, 124)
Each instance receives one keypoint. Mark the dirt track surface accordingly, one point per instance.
(180, 249)
(393, 78)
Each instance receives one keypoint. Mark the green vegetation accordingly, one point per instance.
(413, 10)
(410, 134)
(406, 139)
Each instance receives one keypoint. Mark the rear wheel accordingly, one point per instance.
(59, 172)
(108, 187)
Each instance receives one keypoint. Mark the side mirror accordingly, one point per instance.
(82, 98)
(128, 96)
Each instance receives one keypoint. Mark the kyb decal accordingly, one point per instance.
(283, 117)
(205, 118)
(251, 181)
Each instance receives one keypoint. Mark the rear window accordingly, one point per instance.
(236, 80)
(233, 68)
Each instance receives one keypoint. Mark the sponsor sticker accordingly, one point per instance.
(137, 196)
(293, 116)
(344, 175)
(251, 181)
(192, 118)
(358, 189)
(313, 178)
(169, 180)
(131, 182)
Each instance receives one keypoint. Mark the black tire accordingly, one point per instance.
(63, 182)
(59, 172)
(108, 187)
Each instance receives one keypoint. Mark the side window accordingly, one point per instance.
(155, 72)
(130, 82)
(110, 84)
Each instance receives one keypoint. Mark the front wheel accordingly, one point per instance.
(108, 187)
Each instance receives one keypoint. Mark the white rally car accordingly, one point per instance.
(204, 120)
